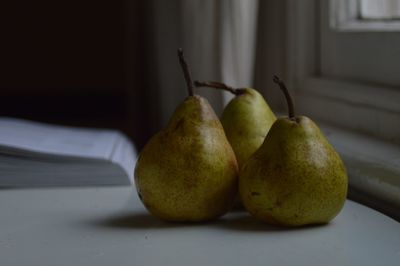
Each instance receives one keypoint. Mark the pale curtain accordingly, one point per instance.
(219, 39)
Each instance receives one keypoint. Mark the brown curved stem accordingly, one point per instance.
(217, 85)
(186, 72)
(289, 100)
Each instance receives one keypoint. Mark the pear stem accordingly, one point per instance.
(289, 100)
(186, 72)
(217, 85)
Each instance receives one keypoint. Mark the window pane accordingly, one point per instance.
(380, 9)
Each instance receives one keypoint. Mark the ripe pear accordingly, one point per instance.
(188, 171)
(296, 177)
(246, 119)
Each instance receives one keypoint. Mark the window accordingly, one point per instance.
(343, 63)
(364, 15)
(379, 9)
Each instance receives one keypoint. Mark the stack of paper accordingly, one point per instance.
(37, 154)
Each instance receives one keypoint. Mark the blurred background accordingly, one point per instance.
(113, 64)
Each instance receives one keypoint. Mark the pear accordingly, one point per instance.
(188, 171)
(246, 119)
(296, 177)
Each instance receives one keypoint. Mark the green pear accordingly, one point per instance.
(188, 171)
(296, 177)
(246, 119)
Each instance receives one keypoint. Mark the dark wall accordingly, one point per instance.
(63, 45)
(71, 62)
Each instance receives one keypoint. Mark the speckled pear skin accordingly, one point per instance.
(296, 177)
(188, 171)
(246, 121)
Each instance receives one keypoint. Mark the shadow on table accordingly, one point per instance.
(234, 221)
(137, 221)
(247, 223)
(143, 220)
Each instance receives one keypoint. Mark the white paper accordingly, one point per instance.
(38, 154)
(17, 134)
(125, 156)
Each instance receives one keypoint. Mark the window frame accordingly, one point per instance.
(345, 17)
(314, 92)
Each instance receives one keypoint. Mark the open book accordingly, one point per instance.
(37, 154)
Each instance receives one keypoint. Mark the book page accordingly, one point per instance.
(19, 135)
(125, 155)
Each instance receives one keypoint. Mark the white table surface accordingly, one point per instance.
(109, 226)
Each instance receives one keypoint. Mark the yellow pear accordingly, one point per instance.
(246, 119)
(188, 171)
(296, 177)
